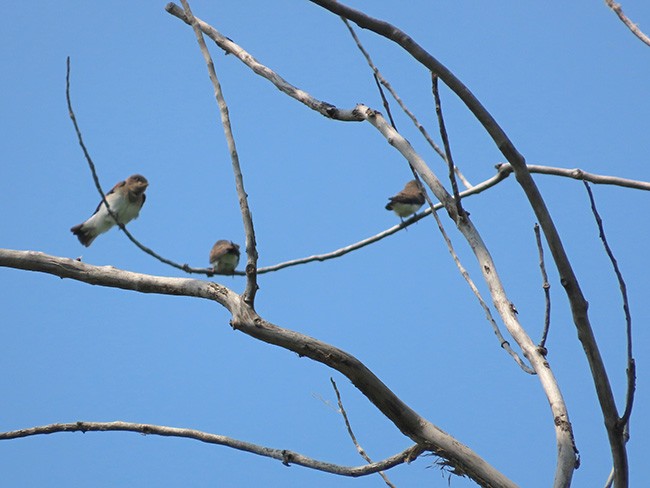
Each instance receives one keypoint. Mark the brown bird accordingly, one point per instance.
(408, 201)
(125, 200)
(224, 257)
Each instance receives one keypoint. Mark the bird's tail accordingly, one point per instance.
(85, 237)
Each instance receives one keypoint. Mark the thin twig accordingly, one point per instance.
(631, 366)
(579, 174)
(616, 7)
(545, 286)
(285, 456)
(504, 170)
(93, 171)
(378, 76)
(445, 143)
(465, 274)
(360, 449)
(251, 246)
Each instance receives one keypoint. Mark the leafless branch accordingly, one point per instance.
(360, 449)
(631, 365)
(616, 7)
(445, 143)
(251, 246)
(246, 320)
(579, 174)
(545, 286)
(285, 456)
(566, 459)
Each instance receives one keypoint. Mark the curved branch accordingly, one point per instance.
(245, 319)
(568, 278)
(287, 457)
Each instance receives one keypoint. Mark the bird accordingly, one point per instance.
(408, 201)
(125, 201)
(224, 257)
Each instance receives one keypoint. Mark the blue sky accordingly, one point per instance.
(569, 85)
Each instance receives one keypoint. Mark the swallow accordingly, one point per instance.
(125, 201)
(224, 257)
(408, 201)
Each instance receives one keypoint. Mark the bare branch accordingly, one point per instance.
(360, 449)
(616, 7)
(566, 459)
(251, 246)
(578, 174)
(631, 367)
(285, 456)
(245, 319)
(445, 143)
(481, 187)
(324, 108)
(546, 287)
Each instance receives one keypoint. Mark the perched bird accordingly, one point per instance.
(125, 201)
(408, 201)
(224, 257)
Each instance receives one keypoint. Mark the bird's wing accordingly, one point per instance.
(112, 190)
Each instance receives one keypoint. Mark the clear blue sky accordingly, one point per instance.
(568, 83)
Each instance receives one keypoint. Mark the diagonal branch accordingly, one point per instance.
(546, 287)
(251, 246)
(618, 10)
(286, 457)
(246, 320)
(631, 365)
(360, 450)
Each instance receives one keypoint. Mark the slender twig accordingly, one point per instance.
(360, 450)
(545, 286)
(445, 142)
(631, 366)
(251, 246)
(616, 7)
(504, 170)
(378, 76)
(579, 174)
(93, 171)
(285, 456)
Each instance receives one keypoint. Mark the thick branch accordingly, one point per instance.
(287, 457)
(245, 319)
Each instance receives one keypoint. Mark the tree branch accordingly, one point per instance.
(251, 246)
(245, 319)
(566, 459)
(616, 7)
(360, 450)
(285, 456)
